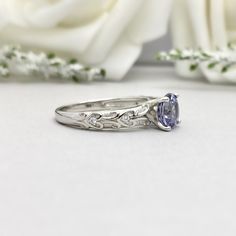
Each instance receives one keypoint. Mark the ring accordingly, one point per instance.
(122, 113)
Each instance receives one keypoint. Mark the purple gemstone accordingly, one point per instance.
(168, 112)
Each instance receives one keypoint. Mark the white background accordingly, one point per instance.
(57, 181)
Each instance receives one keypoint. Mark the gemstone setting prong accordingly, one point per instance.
(164, 128)
(163, 99)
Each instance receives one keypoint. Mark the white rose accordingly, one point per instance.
(106, 33)
(206, 24)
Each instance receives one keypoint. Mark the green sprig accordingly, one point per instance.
(13, 60)
(223, 59)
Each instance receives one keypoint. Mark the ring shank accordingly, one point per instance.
(109, 104)
(110, 114)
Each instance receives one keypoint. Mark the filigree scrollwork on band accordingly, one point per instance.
(133, 118)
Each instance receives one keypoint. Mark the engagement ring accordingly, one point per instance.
(122, 113)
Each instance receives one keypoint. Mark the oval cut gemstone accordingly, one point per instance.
(168, 112)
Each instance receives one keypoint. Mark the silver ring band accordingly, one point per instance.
(114, 114)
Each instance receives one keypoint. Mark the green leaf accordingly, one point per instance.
(51, 55)
(23, 57)
(193, 67)
(206, 55)
(4, 65)
(87, 68)
(178, 51)
(231, 46)
(158, 57)
(75, 79)
(212, 65)
(225, 68)
(73, 61)
(55, 64)
(103, 73)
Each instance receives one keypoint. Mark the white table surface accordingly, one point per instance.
(59, 181)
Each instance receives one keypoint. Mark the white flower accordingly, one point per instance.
(206, 24)
(105, 33)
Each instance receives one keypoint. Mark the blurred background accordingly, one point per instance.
(148, 54)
